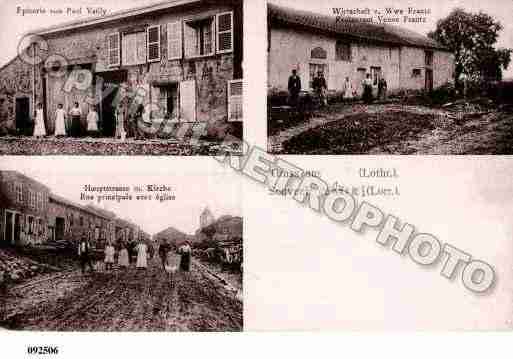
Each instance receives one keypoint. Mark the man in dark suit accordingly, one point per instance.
(84, 254)
(294, 88)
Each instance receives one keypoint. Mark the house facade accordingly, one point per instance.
(23, 209)
(184, 57)
(311, 43)
(31, 214)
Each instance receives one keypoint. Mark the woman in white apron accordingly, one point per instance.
(60, 121)
(142, 256)
(39, 123)
(123, 261)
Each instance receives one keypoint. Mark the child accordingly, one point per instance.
(60, 121)
(39, 123)
(109, 256)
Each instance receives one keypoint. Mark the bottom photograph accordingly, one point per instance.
(107, 252)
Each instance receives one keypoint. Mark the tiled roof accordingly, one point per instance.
(59, 199)
(380, 33)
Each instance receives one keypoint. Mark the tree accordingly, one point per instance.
(472, 38)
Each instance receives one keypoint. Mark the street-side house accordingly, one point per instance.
(310, 43)
(31, 214)
(182, 56)
(23, 209)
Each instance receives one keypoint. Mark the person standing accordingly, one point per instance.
(382, 89)
(120, 123)
(92, 122)
(142, 256)
(60, 121)
(367, 89)
(39, 122)
(320, 87)
(123, 261)
(164, 249)
(294, 87)
(84, 254)
(185, 257)
(76, 116)
(109, 256)
(348, 89)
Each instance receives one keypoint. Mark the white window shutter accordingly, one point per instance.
(188, 101)
(114, 47)
(189, 38)
(174, 40)
(235, 90)
(153, 43)
(224, 32)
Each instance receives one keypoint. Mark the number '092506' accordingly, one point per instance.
(42, 350)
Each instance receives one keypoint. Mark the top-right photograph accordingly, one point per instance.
(390, 80)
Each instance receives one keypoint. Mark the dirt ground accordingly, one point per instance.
(397, 129)
(122, 300)
(12, 145)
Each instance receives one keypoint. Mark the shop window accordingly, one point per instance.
(168, 101)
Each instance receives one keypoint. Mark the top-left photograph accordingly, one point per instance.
(123, 78)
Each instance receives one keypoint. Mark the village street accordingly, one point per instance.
(131, 300)
(395, 128)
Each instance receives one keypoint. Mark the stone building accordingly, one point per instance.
(183, 56)
(310, 42)
(32, 214)
(24, 205)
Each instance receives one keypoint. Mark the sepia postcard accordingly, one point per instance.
(389, 78)
(149, 79)
(135, 252)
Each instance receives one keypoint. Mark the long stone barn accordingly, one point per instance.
(31, 214)
(310, 43)
(182, 56)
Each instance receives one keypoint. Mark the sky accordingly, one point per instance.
(18, 24)
(194, 190)
(501, 10)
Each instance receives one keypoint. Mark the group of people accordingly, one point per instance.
(320, 88)
(67, 123)
(85, 255)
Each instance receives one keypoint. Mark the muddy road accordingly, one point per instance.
(122, 300)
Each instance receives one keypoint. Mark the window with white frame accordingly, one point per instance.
(19, 192)
(235, 89)
(39, 200)
(168, 101)
(153, 43)
(114, 49)
(174, 40)
(224, 27)
(375, 74)
(199, 37)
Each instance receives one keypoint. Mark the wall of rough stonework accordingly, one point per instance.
(211, 73)
(15, 82)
